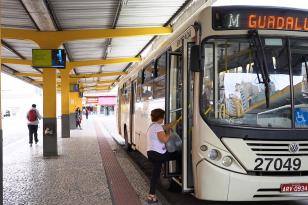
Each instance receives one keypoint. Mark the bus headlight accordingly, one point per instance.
(220, 157)
(227, 161)
(213, 154)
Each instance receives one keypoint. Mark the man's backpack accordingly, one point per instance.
(32, 116)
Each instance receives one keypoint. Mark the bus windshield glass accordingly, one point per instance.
(250, 84)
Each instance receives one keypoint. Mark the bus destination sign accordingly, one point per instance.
(231, 18)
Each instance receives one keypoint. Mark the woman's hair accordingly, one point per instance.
(157, 114)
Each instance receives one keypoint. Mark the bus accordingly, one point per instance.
(237, 75)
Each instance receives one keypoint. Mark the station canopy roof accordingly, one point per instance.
(63, 15)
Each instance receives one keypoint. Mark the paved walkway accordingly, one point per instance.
(76, 176)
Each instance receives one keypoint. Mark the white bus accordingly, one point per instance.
(238, 77)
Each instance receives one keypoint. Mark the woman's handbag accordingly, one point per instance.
(174, 143)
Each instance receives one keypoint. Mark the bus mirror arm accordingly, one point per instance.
(194, 63)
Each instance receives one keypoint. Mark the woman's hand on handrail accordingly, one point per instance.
(172, 124)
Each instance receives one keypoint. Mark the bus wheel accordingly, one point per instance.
(127, 146)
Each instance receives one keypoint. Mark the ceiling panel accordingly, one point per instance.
(114, 67)
(141, 13)
(109, 78)
(84, 14)
(13, 15)
(88, 80)
(22, 68)
(127, 47)
(5, 53)
(88, 69)
(22, 46)
(138, 13)
(81, 50)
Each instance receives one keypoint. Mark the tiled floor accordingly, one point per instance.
(76, 176)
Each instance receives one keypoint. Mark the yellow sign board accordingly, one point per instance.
(41, 58)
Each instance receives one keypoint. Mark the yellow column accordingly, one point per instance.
(74, 103)
(65, 89)
(50, 94)
(79, 101)
(50, 147)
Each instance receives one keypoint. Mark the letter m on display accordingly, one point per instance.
(234, 21)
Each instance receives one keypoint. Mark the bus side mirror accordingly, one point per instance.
(194, 63)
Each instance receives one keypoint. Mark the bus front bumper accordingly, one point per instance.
(215, 183)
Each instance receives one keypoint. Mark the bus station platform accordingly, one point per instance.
(91, 168)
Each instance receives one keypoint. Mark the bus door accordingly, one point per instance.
(179, 103)
(174, 103)
(132, 114)
(188, 96)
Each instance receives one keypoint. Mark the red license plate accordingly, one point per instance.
(303, 187)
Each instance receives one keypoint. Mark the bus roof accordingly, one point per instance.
(297, 4)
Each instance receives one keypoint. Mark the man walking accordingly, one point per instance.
(33, 117)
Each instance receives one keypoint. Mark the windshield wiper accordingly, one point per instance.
(260, 61)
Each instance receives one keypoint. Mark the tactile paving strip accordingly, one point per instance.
(120, 189)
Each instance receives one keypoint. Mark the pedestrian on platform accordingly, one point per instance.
(156, 151)
(78, 117)
(33, 117)
(87, 113)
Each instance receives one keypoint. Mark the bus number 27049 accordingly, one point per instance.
(277, 164)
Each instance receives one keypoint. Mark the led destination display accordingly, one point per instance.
(277, 22)
(231, 18)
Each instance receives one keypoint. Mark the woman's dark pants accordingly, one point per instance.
(157, 160)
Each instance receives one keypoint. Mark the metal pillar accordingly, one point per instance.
(65, 89)
(75, 102)
(50, 147)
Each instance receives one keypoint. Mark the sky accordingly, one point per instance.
(17, 96)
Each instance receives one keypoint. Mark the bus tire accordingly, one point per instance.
(127, 146)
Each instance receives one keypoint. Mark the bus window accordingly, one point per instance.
(299, 51)
(208, 80)
(121, 96)
(233, 89)
(147, 87)
(160, 77)
(127, 93)
(139, 86)
(176, 91)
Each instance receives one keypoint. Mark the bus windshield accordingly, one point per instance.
(242, 86)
